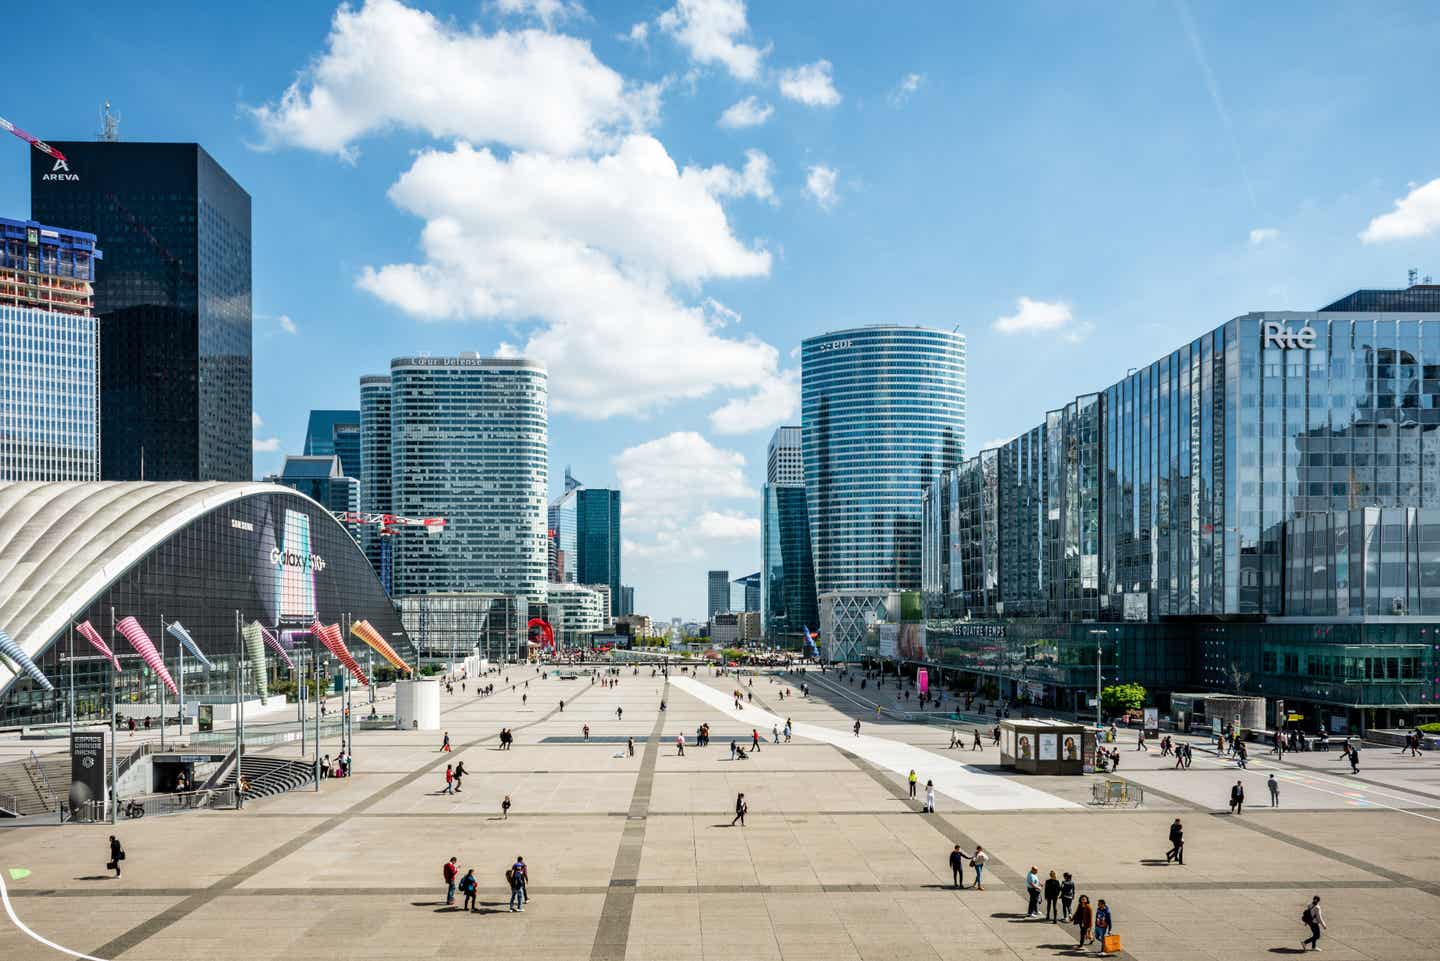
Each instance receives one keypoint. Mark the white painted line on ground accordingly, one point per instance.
(15, 919)
(979, 789)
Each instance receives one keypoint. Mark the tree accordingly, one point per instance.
(1236, 678)
(1122, 699)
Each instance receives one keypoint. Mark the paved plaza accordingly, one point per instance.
(635, 857)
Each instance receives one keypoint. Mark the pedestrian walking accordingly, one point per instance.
(1052, 899)
(449, 871)
(680, 745)
(562, 707)
(1237, 798)
(1083, 918)
(957, 867)
(741, 808)
(1067, 895)
(117, 854)
(519, 877)
(459, 773)
(449, 779)
(1032, 888)
(977, 860)
(754, 740)
(585, 732)
(1274, 786)
(1354, 759)
(630, 745)
(1104, 923)
(914, 780)
(445, 745)
(468, 884)
(1312, 918)
(929, 797)
(619, 713)
(1177, 843)
(505, 808)
(976, 746)
(857, 728)
(788, 729)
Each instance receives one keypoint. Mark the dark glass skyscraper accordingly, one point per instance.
(597, 523)
(174, 303)
(335, 432)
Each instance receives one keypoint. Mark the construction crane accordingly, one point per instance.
(390, 524)
(35, 142)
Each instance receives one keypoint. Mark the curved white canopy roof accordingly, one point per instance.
(62, 544)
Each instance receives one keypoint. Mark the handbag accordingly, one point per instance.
(1111, 943)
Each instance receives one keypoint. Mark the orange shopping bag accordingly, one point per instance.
(1111, 943)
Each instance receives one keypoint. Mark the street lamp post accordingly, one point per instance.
(1099, 635)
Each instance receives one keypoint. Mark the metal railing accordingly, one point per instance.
(97, 811)
(1117, 793)
(42, 781)
(9, 802)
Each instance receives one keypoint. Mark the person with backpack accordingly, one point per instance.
(1316, 922)
(741, 808)
(459, 773)
(1067, 895)
(449, 871)
(1052, 899)
(1104, 923)
(117, 854)
(957, 867)
(518, 877)
(468, 886)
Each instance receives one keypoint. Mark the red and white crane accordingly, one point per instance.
(35, 142)
(390, 524)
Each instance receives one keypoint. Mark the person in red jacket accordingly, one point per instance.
(450, 870)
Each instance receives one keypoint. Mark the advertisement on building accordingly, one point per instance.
(1152, 722)
(87, 769)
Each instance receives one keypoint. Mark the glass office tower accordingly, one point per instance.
(597, 525)
(1282, 470)
(882, 413)
(375, 472)
(336, 432)
(49, 354)
(174, 303)
(469, 442)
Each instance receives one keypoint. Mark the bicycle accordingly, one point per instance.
(133, 810)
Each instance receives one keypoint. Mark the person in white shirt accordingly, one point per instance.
(1316, 922)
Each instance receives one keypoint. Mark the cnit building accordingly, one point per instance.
(1258, 511)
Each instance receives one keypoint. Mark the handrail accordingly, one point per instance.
(49, 797)
(10, 803)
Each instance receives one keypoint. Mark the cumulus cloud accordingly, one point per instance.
(906, 88)
(288, 325)
(639, 33)
(1263, 235)
(746, 113)
(1042, 317)
(822, 184)
(709, 32)
(811, 84)
(255, 421)
(1417, 214)
(261, 445)
(548, 12)
(674, 488)
(775, 402)
(595, 251)
(389, 66)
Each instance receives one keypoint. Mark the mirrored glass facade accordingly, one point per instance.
(174, 303)
(597, 538)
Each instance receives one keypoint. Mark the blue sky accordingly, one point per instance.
(1077, 187)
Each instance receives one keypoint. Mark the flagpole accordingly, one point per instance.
(160, 681)
(114, 775)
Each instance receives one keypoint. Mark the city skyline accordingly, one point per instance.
(807, 172)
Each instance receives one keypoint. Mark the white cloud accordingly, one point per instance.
(708, 30)
(548, 12)
(906, 88)
(670, 487)
(1417, 214)
(639, 33)
(777, 401)
(1263, 235)
(821, 183)
(390, 66)
(261, 445)
(255, 422)
(1042, 317)
(287, 325)
(746, 113)
(592, 251)
(753, 180)
(811, 84)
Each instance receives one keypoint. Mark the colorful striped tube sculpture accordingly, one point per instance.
(17, 656)
(274, 645)
(335, 644)
(90, 634)
(255, 654)
(135, 634)
(367, 633)
(177, 631)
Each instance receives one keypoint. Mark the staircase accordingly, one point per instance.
(27, 786)
(269, 776)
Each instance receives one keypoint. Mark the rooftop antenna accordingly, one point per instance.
(1413, 276)
(109, 125)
